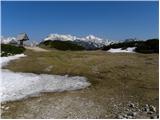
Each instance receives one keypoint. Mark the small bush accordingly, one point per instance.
(7, 50)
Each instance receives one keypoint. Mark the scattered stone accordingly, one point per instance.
(147, 106)
(2, 107)
(153, 117)
(125, 116)
(49, 68)
(152, 108)
(146, 109)
(6, 108)
(106, 116)
(157, 116)
(130, 114)
(131, 105)
(129, 117)
(150, 112)
(119, 117)
(115, 105)
(139, 110)
(134, 113)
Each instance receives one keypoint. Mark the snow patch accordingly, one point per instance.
(18, 85)
(118, 50)
(4, 60)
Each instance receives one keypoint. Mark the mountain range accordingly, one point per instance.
(8, 40)
(88, 42)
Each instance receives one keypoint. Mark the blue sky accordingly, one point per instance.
(112, 20)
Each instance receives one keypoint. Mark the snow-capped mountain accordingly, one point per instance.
(8, 40)
(60, 37)
(87, 41)
(93, 38)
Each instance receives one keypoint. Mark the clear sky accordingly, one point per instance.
(112, 20)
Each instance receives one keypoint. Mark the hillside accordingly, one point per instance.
(61, 45)
(89, 42)
(148, 46)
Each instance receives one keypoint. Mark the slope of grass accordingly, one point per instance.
(115, 78)
(99, 67)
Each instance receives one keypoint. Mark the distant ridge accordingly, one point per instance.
(88, 42)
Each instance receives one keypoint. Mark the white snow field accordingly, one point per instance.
(118, 50)
(17, 85)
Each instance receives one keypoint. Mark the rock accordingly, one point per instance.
(157, 116)
(139, 110)
(150, 112)
(146, 109)
(119, 117)
(146, 105)
(131, 105)
(132, 114)
(106, 116)
(153, 117)
(125, 116)
(115, 105)
(2, 107)
(152, 108)
(6, 108)
(129, 117)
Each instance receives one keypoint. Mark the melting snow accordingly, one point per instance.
(5, 60)
(117, 50)
(17, 85)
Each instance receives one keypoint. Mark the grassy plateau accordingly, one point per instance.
(116, 79)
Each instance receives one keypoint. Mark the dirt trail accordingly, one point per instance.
(37, 49)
